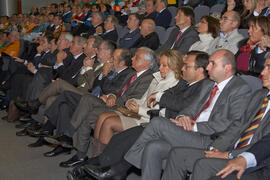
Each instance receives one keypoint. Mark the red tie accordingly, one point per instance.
(122, 91)
(178, 36)
(207, 104)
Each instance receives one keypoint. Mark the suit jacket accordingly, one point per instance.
(66, 17)
(230, 42)
(228, 139)
(151, 16)
(136, 89)
(151, 41)
(112, 35)
(186, 39)
(163, 19)
(264, 11)
(70, 73)
(228, 108)
(177, 98)
(129, 39)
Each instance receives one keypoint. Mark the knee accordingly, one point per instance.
(154, 147)
(201, 164)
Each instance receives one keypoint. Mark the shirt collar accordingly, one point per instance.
(162, 10)
(222, 84)
(121, 70)
(140, 73)
(183, 30)
(76, 57)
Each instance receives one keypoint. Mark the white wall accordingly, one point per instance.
(27, 4)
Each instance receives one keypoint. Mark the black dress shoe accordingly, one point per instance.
(104, 172)
(25, 118)
(22, 132)
(40, 142)
(24, 125)
(38, 133)
(73, 161)
(28, 106)
(57, 151)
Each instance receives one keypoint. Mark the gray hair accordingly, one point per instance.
(68, 36)
(99, 14)
(150, 56)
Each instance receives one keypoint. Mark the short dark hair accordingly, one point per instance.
(189, 13)
(201, 60)
(213, 25)
(109, 45)
(49, 36)
(125, 55)
(97, 6)
(137, 16)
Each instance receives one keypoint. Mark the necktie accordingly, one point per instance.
(122, 91)
(207, 104)
(249, 132)
(177, 38)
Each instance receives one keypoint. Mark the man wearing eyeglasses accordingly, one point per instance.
(229, 35)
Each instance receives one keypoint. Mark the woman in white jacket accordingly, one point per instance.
(208, 29)
(170, 65)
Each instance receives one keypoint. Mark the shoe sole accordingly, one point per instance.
(55, 141)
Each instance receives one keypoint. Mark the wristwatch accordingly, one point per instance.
(230, 156)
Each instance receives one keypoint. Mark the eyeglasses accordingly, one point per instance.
(225, 18)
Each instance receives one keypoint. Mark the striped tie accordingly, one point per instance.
(249, 132)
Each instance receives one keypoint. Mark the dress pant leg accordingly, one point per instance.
(56, 88)
(207, 167)
(153, 155)
(162, 128)
(180, 162)
(118, 146)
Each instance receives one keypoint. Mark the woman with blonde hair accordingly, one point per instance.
(170, 65)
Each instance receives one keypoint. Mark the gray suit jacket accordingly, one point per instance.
(186, 39)
(228, 107)
(227, 140)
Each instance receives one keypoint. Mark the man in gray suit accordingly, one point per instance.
(212, 111)
(90, 107)
(228, 145)
(184, 35)
(229, 36)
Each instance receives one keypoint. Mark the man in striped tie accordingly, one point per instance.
(232, 143)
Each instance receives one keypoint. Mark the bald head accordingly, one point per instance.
(147, 27)
(221, 65)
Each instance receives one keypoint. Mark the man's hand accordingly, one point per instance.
(185, 122)
(40, 49)
(238, 164)
(133, 106)
(61, 55)
(103, 98)
(88, 62)
(111, 100)
(265, 42)
(107, 68)
(19, 60)
(31, 67)
(152, 100)
(99, 30)
(215, 153)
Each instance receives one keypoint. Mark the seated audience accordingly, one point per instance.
(110, 32)
(164, 17)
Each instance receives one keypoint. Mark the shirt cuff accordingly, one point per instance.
(35, 71)
(85, 69)
(25, 62)
(158, 96)
(37, 55)
(195, 128)
(58, 65)
(250, 158)
(162, 112)
(255, 13)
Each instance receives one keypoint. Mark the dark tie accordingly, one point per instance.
(178, 36)
(207, 104)
(123, 90)
(249, 132)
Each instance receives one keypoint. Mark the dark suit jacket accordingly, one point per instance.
(177, 98)
(70, 72)
(136, 89)
(227, 140)
(152, 16)
(228, 108)
(112, 35)
(129, 39)
(151, 41)
(189, 37)
(66, 18)
(163, 19)
(264, 11)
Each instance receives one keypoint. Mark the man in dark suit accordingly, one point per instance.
(255, 163)
(68, 14)
(194, 75)
(134, 33)
(164, 17)
(149, 38)
(212, 111)
(90, 107)
(182, 37)
(110, 32)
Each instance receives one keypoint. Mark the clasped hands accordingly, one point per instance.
(109, 100)
(185, 122)
(132, 105)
